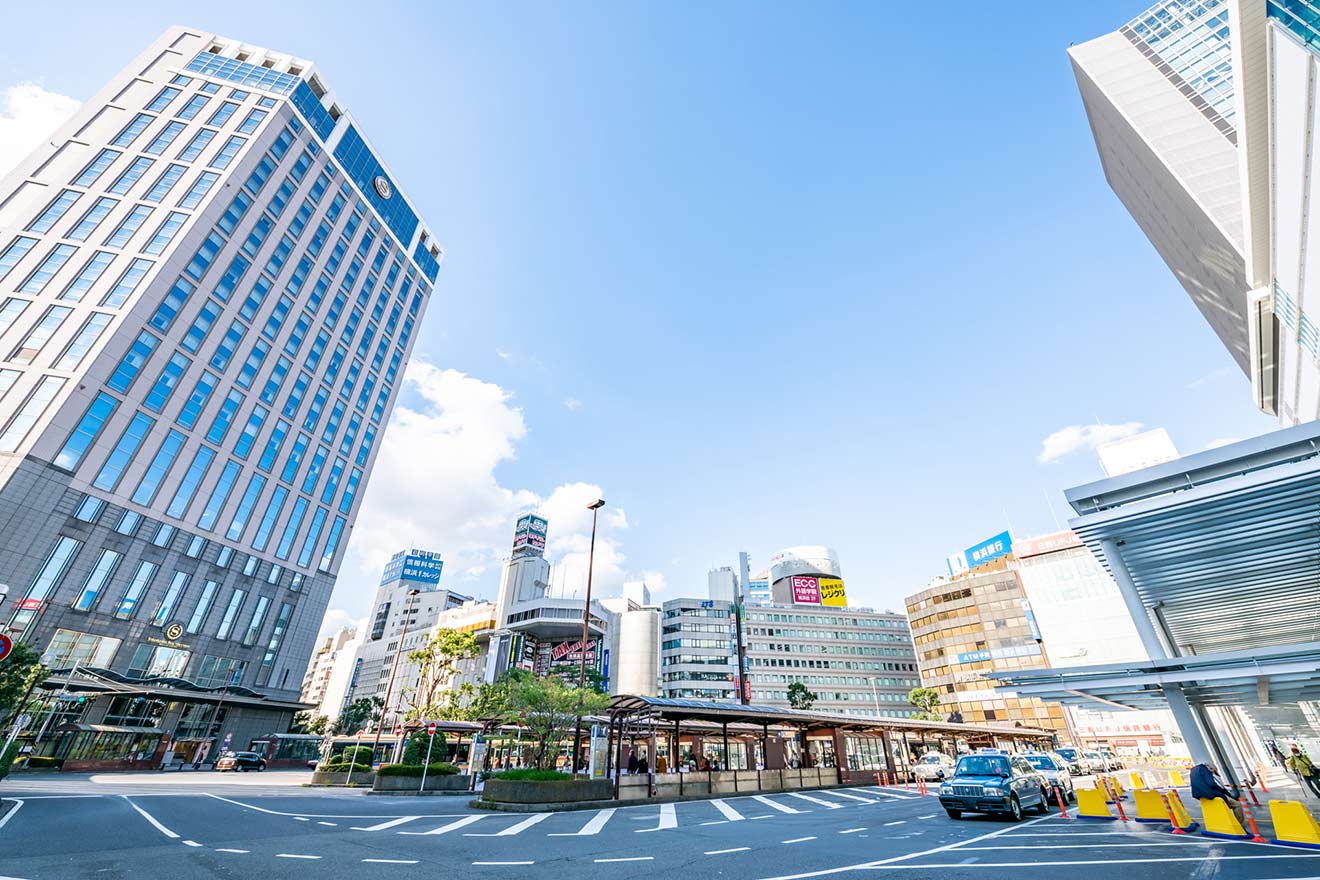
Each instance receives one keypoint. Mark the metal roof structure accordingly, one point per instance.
(94, 679)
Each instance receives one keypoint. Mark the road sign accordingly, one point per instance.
(430, 728)
(6, 645)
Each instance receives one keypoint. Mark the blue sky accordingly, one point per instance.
(761, 275)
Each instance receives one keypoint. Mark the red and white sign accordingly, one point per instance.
(30, 605)
(806, 590)
(574, 648)
(1045, 544)
(430, 728)
(6, 645)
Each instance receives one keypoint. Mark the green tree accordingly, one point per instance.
(927, 700)
(437, 663)
(309, 722)
(357, 713)
(17, 673)
(415, 751)
(549, 708)
(799, 697)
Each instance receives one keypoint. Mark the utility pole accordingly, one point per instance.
(594, 507)
(744, 697)
(394, 668)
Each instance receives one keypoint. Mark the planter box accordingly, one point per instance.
(320, 777)
(434, 782)
(557, 792)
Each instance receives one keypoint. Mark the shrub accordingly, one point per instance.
(7, 759)
(354, 755)
(531, 774)
(436, 769)
(38, 761)
(415, 750)
(343, 767)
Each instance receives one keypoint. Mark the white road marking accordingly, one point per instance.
(852, 830)
(594, 826)
(445, 829)
(331, 824)
(324, 815)
(383, 825)
(798, 840)
(294, 856)
(301, 819)
(391, 861)
(504, 863)
(1172, 841)
(59, 797)
(806, 797)
(4, 820)
(853, 797)
(668, 819)
(899, 822)
(888, 794)
(191, 843)
(150, 818)
(516, 828)
(716, 822)
(754, 818)
(776, 804)
(727, 811)
(629, 859)
(720, 852)
(1093, 862)
(223, 849)
(931, 816)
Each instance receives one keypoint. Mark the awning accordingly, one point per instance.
(109, 728)
(91, 679)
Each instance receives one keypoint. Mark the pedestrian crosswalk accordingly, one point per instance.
(658, 817)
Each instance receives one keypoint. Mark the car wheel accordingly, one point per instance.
(954, 814)
(1014, 809)
(1044, 802)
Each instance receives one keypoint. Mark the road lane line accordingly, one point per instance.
(798, 840)
(331, 824)
(899, 822)
(191, 843)
(853, 797)
(391, 861)
(1094, 862)
(888, 794)
(727, 811)
(1173, 841)
(301, 819)
(720, 852)
(776, 804)
(504, 863)
(594, 826)
(931, 816)
(152, 819)
(383, 825)
(629, 859)
(294, 856)
(516, 828)
(754, 818)
(668, 819)
(4, 820)
(224, 849)
(852, 830)
(445, 829)
(806, 797)
(716, 822)
(314, 815)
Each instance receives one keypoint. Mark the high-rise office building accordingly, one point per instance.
(209, 289)
(320, 670)
(698, 649)
(1202, 114)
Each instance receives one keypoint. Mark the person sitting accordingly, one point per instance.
(1207, 784)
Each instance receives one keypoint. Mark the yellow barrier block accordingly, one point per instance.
(1176, 779)
(1137, 781)
(1220, 821)
(1293, 825)
(1150, 806)
(1180, 812)
(1091, 804)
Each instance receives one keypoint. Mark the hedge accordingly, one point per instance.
(7, 759)
(357, 754)
(342, 767)
(531, 774)
(438, 769)
(37, 761)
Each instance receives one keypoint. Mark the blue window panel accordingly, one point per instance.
(277, 316)
(350, 380)
(296, 395)
(165, 233)
(331, 545)
(92, 218)
(86, 432)
(219, 495)
(122, 378)
(228, 345)
(281, 144)
(243, 512)
(81, 344)
(336, 256)
(378, 411)
(336, 204)
(210, 88)
(196, 402)
(160, 466)
(54, 211)
(368, 440)
(298, 334)
(192, 478)
(268, 102)
(222, 114)
(260, 174)
(129, 226)
(294, 461)
(364, 344)
(332, 480)
(313, 535)
(38, 336)
(170, 305)
(170, 601)
(135, 590)
(131, 175)
(96, 580)
(285, 545)
(393, 321)
(198, 617)
(276, 381)
(88, 275)
(239, 94)
(181, 80)
(128, 283)
(332, 424)
(230, 219)
(257, 237)
(162, 141)
(407, 332)
(350, 434)
(201, 326)
(336, 309)
(314, 411)
(196, 145)
(238, 266)
(363, 168)
(161, 188)
(163, 99)
(368, 239)
(429, 265)
(17, 250)
(280, 199)
(94, 169)
(193, 107)
(317, 349)
(311, 108)
(273, 445)
(227, 153)
(166, 382)
(252, 365)
(54, 261)
(314, 470)
(267, 524)
(131, 131)
(243, 445)
(335, 363)
(113, 468)
(256, 296)
(350, 490)
(300, 169)
(367, 386)
(201, 186)
(252, 121)
(279, 255)
(242, 73)
(301, 219)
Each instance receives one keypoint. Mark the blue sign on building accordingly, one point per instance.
(416, 566)
(979, 554)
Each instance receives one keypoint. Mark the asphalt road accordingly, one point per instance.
(199, 826)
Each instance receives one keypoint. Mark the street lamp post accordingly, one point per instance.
(394, 668)
(875, 696)
(594, 507)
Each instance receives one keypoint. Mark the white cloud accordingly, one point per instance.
(1074, 438)
(335, 618)
(29, 113)
(503, 355)
(572, 404)
(1222, 441)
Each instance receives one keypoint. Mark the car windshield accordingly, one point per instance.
(979, 765)
(931, 759)
(1068, 753)
(1092, 754)
(1040, 762)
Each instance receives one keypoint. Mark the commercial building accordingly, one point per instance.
(970, 627)
(321, 668)
(209, 288)
(1202, 112)
(698, 649)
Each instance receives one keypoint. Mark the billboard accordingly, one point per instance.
(529, 534)
(979, 554)
(806, 590)
(1046, 544)
(415, 566)
(831, 592)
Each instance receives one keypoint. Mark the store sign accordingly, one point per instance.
(29, 605)
(1051, 543)
(416, 566)
(979, 554)
(573, 649)
(999, 653)
(806, 590)
(831, 592)
(530, 533)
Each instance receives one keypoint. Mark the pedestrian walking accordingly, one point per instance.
(1207, 784)
(1304, 768)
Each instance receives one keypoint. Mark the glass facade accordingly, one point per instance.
(1188, 41)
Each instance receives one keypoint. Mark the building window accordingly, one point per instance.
(128, 227)
(267, 525)
(220, 672)
(163, 99)
(54, 211)
(96, 168)
(198, 618)
(161, 188)
(245, 440)
(54, 261)
(192, 478)
(196, 547)
(128, 522)
(164, 534)
(19, 426)
(166, 382)
(231, 613)
(258, 618)
(160, 466)
(196, 145)
(39, 335)
(331, 545)
(131, 175)
(196, 402)
(127, 283)
(219, 495)
(224, 556)
(170, 600)
(89, 509)
(134, 358)
(170, 305)
(52, 570)
(198, 190)
(163, 140)
(88, 275)
(245, 505)
(313, 535)
(193, 107)
(151, 661)
(276, 636)
(285, 546)
(96, 580)
(201, 326)
(227, 153)
(165, 233)
(68, 647)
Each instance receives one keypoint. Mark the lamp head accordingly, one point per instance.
(597, 505)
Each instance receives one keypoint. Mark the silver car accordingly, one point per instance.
(934, 767)
(1055, 769)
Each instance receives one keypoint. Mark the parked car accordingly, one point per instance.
(1097, 762)
(1077, 763)
(1055, 770)
(312, 762)
(244, 761)
(1114, 761)
(933, 767)
(994, 783)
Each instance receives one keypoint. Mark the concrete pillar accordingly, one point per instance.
(1139, 613)
(1187, 724)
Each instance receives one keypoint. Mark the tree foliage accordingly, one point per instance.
(437, 662)
(549, 708)
(799, 697)
(414, 752)
(927, 700)
(309, 722)
(357, 713)
(17, 673)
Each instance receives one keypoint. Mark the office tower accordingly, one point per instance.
(329, 653)
(698, 649)
(1201, 112)
(638, 593)
(722, 584)
(209, 288)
